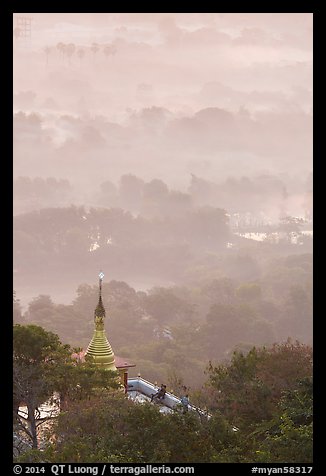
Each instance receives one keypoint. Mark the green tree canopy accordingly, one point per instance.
(249, 388)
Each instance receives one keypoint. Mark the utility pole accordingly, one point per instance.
(23, 29)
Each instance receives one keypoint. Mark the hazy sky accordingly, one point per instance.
(205, 93)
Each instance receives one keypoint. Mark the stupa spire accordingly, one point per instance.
(99, 347)
(99, 310)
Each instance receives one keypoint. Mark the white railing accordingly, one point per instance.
(144, 387)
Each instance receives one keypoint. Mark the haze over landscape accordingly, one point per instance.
(191, 130)
(222, 97)
(173, 152)
(217, 95)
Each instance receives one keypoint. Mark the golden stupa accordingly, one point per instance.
(99, 347)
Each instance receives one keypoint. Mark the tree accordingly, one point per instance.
(70, 50)
(201, 190)
(249, 291)
(206, 227)
(41, 310)
(43, 366)
(297, 316)
(290, 435)
(108, 194)
(94, 49)
(229, 325)
(40, 302)
(248, 390)
(155, 196)
(289, 444)
(177, 203)
(80, 54)
(131, 191)
(107, 429)
(109, 50)
(155, 190)
(17, 310)
(35, 351)
(220, 290)
(291, 226)
(78, 381)
(47, 51)
(61, 47)
(165, 306)
(17, 32)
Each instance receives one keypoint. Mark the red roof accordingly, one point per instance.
(121, 363)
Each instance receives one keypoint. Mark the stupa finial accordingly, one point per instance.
(99, 310)
(101, 276)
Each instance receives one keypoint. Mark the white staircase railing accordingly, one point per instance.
(144, 387)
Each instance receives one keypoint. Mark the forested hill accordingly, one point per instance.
(260, 406)
(71, 241)
(58, 246)
(183, 327)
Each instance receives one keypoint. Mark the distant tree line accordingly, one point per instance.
(249, 200)
(66, 52)
(73, 238)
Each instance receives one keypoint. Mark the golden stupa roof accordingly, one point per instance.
(99, 347)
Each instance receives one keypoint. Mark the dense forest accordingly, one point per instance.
(230, 319)
(185, 326)
(146, 234)
(259, 409)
